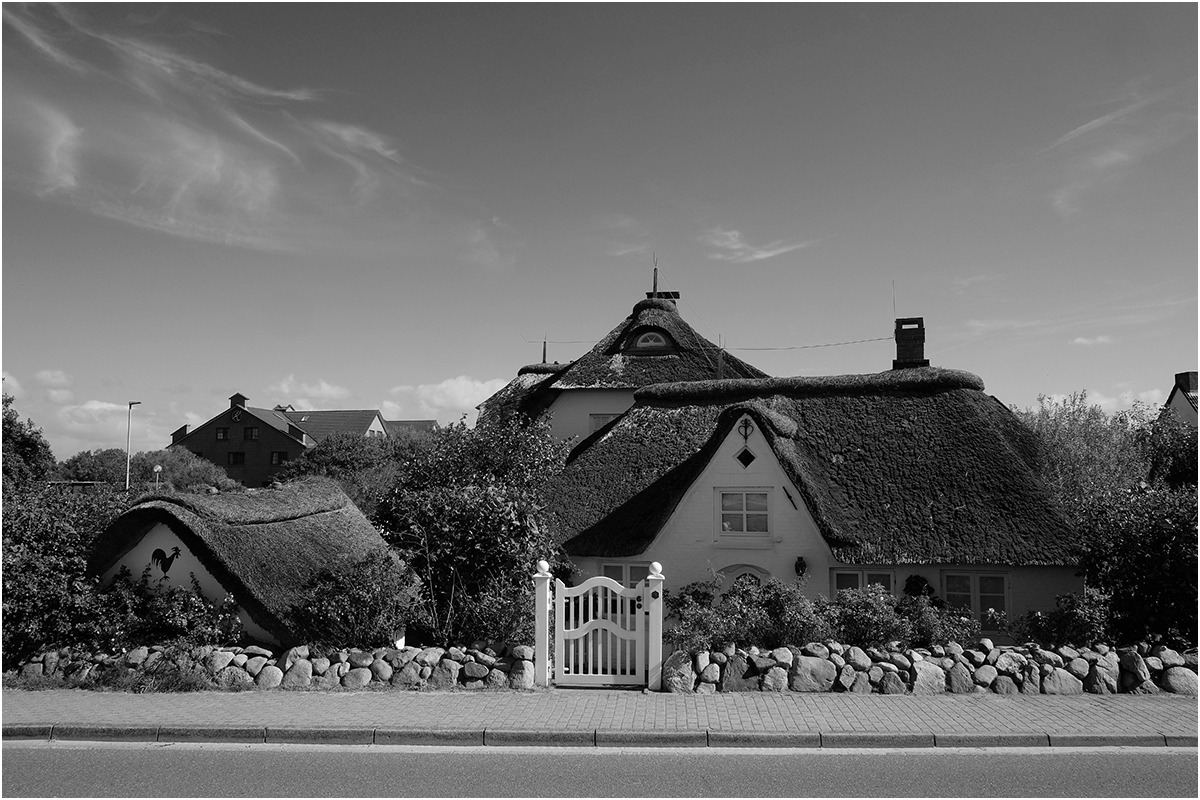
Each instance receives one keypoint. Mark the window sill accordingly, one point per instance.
(749, 543)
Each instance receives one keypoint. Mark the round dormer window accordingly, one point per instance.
(651, 339)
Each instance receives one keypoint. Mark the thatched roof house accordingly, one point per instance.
(652, 345)
(867, 478)
(262, 546)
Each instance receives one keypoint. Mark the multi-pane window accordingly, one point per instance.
(857, 579)
(598, 421)
(250, 434)
(979, 592)
(222, 434)
(236, 459)
(278, 457)
(651, 339)
(628, 575)
(744, 512)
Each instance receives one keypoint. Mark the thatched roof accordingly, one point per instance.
(903, 467)
(263, 546)
(615, 364)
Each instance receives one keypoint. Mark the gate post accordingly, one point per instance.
(541, 625)
(654, 617)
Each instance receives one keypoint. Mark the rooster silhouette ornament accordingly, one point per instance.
(163, 561)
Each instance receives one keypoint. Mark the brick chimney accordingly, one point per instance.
(910, 343)
(238, 401)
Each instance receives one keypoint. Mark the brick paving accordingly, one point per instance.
(905, 717)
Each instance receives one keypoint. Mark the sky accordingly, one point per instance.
(392, 205)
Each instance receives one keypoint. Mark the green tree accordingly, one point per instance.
(106, 466)
(466, 513)
(27, 456)
(366, 467)
(182, 470)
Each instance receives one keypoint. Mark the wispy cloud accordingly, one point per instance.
(736, 249)
(54, 378)
(1088, 341)
(13, 386)
(446, 401)
(297, 391)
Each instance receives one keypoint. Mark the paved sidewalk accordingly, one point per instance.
(581, 717)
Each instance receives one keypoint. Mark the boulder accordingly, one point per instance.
(299, 676)
(810, 674)
(975, 657)
(1168, 657)
(1004, 685)
(476, 671)
(521, 675)
(496, 680)
(255, 650)
(706, 688)
(898, 660)
(459, 655)
(1153, 664)
(711, 674)
(382, 671)
(784, 656)
(360, 660)
(1061, 682)
(32, 669)
(960, 680)
(326, 681)
(268, 677)
(678, 675)
(1067, 653)
(891, 684)
(815, 650)
(445, 674)
(1078, 667)
(700, 661)
(858, 658)
(954, 649)
(238, 661)
(1145, 687)
(1134, 665)
(320, 665)
(1179, 680)
(837, 660)
(233, 677)
(985, 645)
(1031, 679)
(216, 661)
(928, 678)
(1099, 681)
(761, 663)
(718, 657)
(1009, 663)
(410, 675)
(356, 678)
(844, 679)
(775, 679)
(875, 675)
(862, 683)
(429, 657)
(137, 655)
(523, 652)
(985, 675)
(255, 665)
(1046, 657)
(740, 675)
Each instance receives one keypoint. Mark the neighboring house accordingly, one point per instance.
(261, 547)
(652, 345)
(848, 480)
(1182, 399)
(253, 444)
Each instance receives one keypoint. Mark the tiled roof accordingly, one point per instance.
(394, 426)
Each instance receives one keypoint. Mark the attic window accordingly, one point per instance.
(745, 457)
(657, 341)
(651, 339)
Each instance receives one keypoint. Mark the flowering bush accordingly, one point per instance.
(1077, 620)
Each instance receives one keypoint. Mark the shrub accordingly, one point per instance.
(154, 612)
(933, 623)
(1077, 620)
(767, 614)
(364, 603)
(864, 617)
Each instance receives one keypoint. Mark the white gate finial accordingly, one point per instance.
(655, 569)
(543, 568)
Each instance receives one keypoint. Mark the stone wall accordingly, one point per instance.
(981, 668)
(495, 667)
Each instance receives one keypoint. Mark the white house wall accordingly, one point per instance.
(180, 573)
(1183, 409)
(571, 411)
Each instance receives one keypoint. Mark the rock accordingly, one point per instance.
(718, 657)
(137, 655)
(523, 652)
(217, 661)
(761, 664)
(459, 655)
(1061, 682)
(862, 683)
(521, 674)
(837, 660)
(678, 675)
(937, 651)
(1146, 687)
(291, 656)
(445, 674)
(700, 661)
(429, 657)
(340, 669)
(858, 658)
(844, 679)
(1167, 656)
(1004, 685)
(960, 680)
(426, 672)
(985, 675)
(1135, 665)
(255, 650)
(1046, 657)
(1009, 663)
(50, 662)
(238, 661)
(992, 657)
(875, 675)
(1031, 679)
(356, 678)
(360, 660)
(1153, 664)
(891, 684)
(977, 658)
(815, 650)
(928, 678)
(1102, 649)
(1066, 653)
(1078, 667)
(157, 656)
(954, 649)
(1099, 681)
(268, 677)
(899, 660)
(711, 674)
(775, 679)
(1179, 680)
(410, 675)
(32, 669)
(233, 677)
(382, 671)
(914, 655)
(986, 645)
(299, 676)
(340, 657)
(811, 674)
(475, 671)
(320, 665)
(328, 680)
(948, 663)
(784, 656)
(1110, 663)
(740, 675)
(255, 665)
(887, 666)
(836, 647)
(496, 680)
(706, 688)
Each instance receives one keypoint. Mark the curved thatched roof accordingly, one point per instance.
(909, 466)
(263, 546)
(613, 364)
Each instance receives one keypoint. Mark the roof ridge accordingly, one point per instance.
(734, 389)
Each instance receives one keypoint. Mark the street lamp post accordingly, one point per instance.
(128, 434)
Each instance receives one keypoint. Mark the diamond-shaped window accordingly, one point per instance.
(745, 457)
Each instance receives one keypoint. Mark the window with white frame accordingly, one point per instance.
(980, 592)
(743, 513)
(598, 421)
(858, 578)
(628, 575)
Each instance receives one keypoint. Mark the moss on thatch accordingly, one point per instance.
(263, 546)
(911, 466)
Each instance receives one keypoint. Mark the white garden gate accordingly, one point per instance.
(604, 633)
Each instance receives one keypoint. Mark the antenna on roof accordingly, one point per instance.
(720, 358)
(544, 338)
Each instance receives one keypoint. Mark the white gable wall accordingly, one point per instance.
(571, 411)
(180, 573)
(690, 548)
(1182, 407)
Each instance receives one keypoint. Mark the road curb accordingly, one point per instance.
(106, 733)
(857, 739)
(308, 735)
(212, 733)
(622, 738)
(494, 737)
(429, 736)
(991, 740)
(762, 739)
(25, 730)
(1107, 740)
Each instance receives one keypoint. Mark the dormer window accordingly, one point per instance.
(655, 341)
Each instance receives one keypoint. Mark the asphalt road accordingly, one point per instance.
(88, 769)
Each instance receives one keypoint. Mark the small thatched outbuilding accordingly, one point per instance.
(262, 546)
